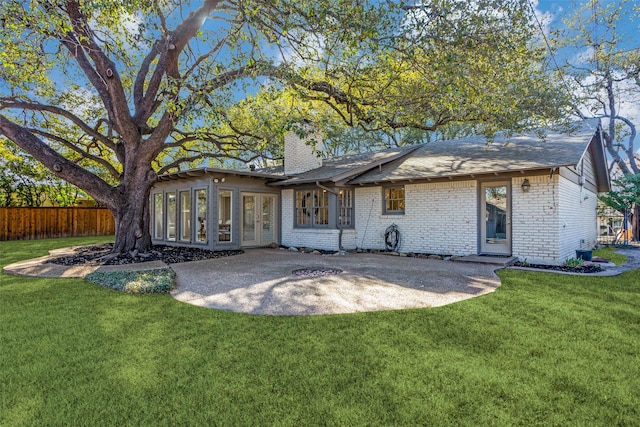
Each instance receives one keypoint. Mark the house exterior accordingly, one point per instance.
(523, 196)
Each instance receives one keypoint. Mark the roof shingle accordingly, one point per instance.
(476, 156)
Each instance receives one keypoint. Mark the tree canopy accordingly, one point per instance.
(108, 94)
(603, 73)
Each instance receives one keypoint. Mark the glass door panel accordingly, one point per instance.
(495, 227)
(259, 216)
(268, 219)
(249, 219)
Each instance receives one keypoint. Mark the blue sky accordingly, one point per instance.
(558, 9)
(627, 33)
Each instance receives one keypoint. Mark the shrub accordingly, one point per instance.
(135, 282)
(573, 262)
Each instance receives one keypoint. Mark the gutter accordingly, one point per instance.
(338, 227)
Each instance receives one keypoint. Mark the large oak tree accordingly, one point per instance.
(109, 94)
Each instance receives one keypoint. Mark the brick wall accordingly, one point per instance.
(318, 238)
(439, 218)
(548, 223)
(578, 221)
(299, 156)
(534, 219)
(552, 220)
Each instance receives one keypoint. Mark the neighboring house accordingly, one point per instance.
(611, 224)
(523, 196)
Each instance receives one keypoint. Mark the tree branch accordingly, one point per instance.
(6, 103)
(106, 69)
(85, 154)
(168, 61)
(630, 150)
(65, 169)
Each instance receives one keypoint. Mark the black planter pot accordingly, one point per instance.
(584, 254)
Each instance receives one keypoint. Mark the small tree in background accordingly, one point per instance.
(26, 182)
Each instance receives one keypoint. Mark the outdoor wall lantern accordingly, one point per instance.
(526, 185)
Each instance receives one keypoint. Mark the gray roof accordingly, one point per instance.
(345, 167)
(272, 170)
(476, 156)
(207, 171)
(468, 157)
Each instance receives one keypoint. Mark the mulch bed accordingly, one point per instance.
(592, 268)
(168, 254)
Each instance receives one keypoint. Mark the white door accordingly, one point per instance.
(258, 219)
(495, 218)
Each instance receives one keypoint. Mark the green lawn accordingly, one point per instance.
(609, 253)
(543, 349)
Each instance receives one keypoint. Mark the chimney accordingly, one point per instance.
(302, 154)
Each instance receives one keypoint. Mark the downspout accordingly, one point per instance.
(338, 227)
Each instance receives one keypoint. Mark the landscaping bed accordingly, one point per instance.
(135, 282)
(96, 255)
(590, 268)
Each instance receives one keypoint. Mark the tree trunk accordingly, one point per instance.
(131, 214)
(132, 221)
(635, 223)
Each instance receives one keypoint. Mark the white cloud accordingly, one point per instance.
(583, 57)
(543, 18)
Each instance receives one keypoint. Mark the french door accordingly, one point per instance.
(258, 219)
(495, 218)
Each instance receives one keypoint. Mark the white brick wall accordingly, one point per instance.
(317, 238)
(554, 219)
(547, 223)
(299, 156)
(534, 219)
(578, 222)
(439, 218)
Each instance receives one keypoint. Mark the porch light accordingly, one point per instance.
(526, 185)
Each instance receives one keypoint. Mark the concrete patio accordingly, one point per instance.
(261, 281)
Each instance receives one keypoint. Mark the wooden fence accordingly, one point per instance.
(42, 223)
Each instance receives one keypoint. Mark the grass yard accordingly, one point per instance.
(544, 349)
(609, 253)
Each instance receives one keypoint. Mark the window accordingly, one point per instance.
(345, 208)
(312, 208)
(394, 200)
(171, 216)
(185, 215)
(224, 216)
(201, 211)
(157, 216)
